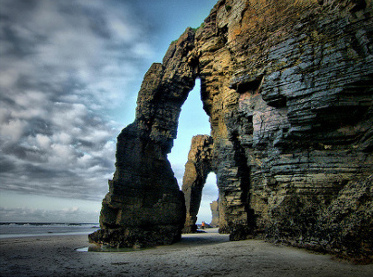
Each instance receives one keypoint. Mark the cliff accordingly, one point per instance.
(288, 89)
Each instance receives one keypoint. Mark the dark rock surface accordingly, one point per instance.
(288, 87)
(144, 205)
(197, 168)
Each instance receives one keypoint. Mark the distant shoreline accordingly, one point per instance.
(14, 236)
(37, 229)
(45, 223)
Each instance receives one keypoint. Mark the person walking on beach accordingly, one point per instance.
(203, 225)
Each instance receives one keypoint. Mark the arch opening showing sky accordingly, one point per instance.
(210, 193)
(193, 121)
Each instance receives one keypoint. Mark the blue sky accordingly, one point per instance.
(70, 72)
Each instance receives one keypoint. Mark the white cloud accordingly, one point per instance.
(70, 70)
(43, 141)
(8, 77)
(65, 65)
(4, 115)
(61, 153)
(68, 215)
(29, 99)
(13, 129)
(63, 137)
(123, 31)
(142, 49)
(71, 210)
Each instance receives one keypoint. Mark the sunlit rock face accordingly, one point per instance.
(214, 206)
(288, 89)
(197, 168)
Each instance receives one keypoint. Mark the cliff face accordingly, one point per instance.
(288, 89)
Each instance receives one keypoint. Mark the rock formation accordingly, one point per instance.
(197, 168)
(288, 88)
(144, 205)
(214, 206)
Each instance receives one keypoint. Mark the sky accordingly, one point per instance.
(70, 71)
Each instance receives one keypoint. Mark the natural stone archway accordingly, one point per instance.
(144, 205)
(197, 168)
(288, 89)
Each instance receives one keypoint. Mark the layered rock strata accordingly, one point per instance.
(288, 89)
(197, 168)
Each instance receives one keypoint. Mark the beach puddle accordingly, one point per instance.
(104, 248)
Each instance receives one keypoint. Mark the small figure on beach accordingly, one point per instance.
(203, 225)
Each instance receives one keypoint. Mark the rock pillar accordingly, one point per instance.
(197, 168)
(144, 205)
(214, 206)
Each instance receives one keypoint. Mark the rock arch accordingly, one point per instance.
(144, 205)
(288, 89)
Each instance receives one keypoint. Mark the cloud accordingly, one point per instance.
(210, 190)
(65, 67)
(71, 214)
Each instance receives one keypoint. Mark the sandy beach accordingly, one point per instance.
(202, 254)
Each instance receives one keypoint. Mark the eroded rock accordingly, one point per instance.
(197, 168)
(288, 89)
(214, 206)
(144, 205)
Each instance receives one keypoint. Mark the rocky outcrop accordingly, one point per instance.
(144, 205)
(343, 227)
(288, 89)
(290, 99)
(308, 109)
(214, 206)
(197, 168)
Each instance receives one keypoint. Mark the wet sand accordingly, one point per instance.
(202, 254)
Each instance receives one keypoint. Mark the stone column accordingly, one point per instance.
(196, 170)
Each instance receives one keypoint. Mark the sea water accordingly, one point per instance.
(24, 229)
